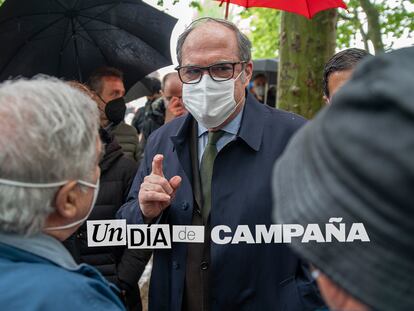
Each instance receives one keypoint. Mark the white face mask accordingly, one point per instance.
(259, 90)
(210, 102)
(58, 184)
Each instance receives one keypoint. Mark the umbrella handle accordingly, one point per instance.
(227, 7)
(226, 16)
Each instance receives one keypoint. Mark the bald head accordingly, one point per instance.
(171, 86)
(172, 89)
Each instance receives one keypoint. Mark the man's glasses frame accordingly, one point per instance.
(209, 69)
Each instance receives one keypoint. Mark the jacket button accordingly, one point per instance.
(176, 265)
(204, 265)
(185, 206)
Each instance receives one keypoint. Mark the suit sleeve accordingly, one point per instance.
(133, 261)
(131, 210)
(308, 289)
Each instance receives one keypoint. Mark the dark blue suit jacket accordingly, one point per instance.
(245, 276)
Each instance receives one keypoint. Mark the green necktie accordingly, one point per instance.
(206, 170)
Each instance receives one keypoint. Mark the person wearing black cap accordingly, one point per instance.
(355, 162)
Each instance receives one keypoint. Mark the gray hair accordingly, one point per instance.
(49, 132)
(243, 42)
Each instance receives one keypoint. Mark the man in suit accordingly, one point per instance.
(228, 130)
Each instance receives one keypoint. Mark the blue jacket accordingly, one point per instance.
(30, 282)
(245, 276)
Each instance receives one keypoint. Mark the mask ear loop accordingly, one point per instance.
(21, 184)
(241, 99)
(237, 104)
(87, 184)
(80, 221)
(16, 183)
(238, 76)
(242, 71)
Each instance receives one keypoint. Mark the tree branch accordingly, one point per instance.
(374, 29)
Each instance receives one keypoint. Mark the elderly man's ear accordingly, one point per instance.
(67, 200)
(326, 100)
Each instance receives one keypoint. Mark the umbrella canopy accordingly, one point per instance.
(307, 8)
(268, 67)
(71, 38)
(266, 64)
(140, 89)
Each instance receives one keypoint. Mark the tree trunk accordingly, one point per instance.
(374, 28)
(305, 46)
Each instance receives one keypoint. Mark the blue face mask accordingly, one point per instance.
(58, 184)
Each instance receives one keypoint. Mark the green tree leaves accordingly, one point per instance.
(395, 19)
(264, 31)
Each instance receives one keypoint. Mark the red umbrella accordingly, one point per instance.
(307, 8)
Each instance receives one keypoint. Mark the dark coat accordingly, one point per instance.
(150, 117)
(265, 277)
(119, 265)
(127, 137)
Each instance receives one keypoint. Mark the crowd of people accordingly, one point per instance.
(206, 150)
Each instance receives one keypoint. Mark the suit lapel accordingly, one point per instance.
(181, 143)
(194, 164)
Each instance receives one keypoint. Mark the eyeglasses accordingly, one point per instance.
(218, 72)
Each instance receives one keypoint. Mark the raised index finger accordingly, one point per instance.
(157, 165)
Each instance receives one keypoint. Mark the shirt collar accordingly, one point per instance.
(231, 128)
(251, 128)
(44, 246)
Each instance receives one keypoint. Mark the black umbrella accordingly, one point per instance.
(266, 64)
(71, 38)
(142, 88)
